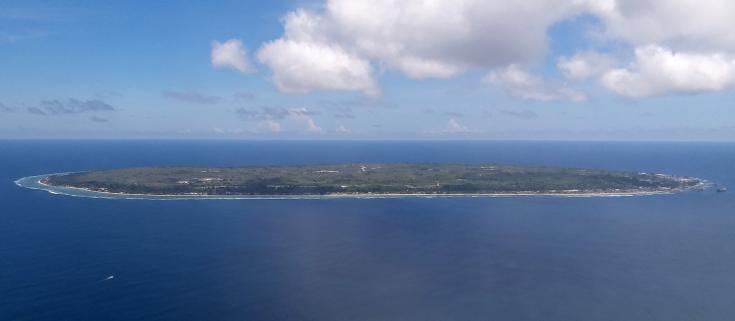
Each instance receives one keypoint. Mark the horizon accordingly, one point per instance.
(357, 139)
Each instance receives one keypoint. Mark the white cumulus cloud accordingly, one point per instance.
(311, 126)
(455, 127)
(336, 47)
(679, 24)
(342, 130)
(230, 54)
(658, 70)
(305, 116)
(345, 44)
(303, 67)
(681, 46)
(270, 126)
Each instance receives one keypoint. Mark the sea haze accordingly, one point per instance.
(661, 257)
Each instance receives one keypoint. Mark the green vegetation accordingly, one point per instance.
(366, 179)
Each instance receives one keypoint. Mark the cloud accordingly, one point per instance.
(303, 67)
(522, 84)
(311, 126)
(69, 106)
(270, 126)
(585, 64)
(228, 131)
(247, 114)
(455, 127)
(356, 102)
(346, 108)
(659, 70)
(680, 46)
(36, 111)
(525, 114)
(6, 109)
(98, 119)
(339, 45)
(704, 25)
(244, 96)
(268, 116)
(266, 113)
(230, 54)
(191, 97)
(342, 130)
(343, 112)
(334, 48)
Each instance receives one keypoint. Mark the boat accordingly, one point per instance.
(721, 190)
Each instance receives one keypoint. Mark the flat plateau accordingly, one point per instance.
(357, 181)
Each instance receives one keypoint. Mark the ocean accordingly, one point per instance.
(660, 257)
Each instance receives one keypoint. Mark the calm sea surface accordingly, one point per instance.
(665, 257)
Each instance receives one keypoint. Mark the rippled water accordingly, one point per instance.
(662, 257)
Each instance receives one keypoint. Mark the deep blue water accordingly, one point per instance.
(666, 257)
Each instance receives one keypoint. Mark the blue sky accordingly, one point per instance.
(338, 70)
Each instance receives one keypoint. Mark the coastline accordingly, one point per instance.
(36, 182)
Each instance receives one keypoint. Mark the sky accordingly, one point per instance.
(642, 70)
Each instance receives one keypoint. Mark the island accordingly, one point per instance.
(424, 179)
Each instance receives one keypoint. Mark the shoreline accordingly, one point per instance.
(37, 183)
